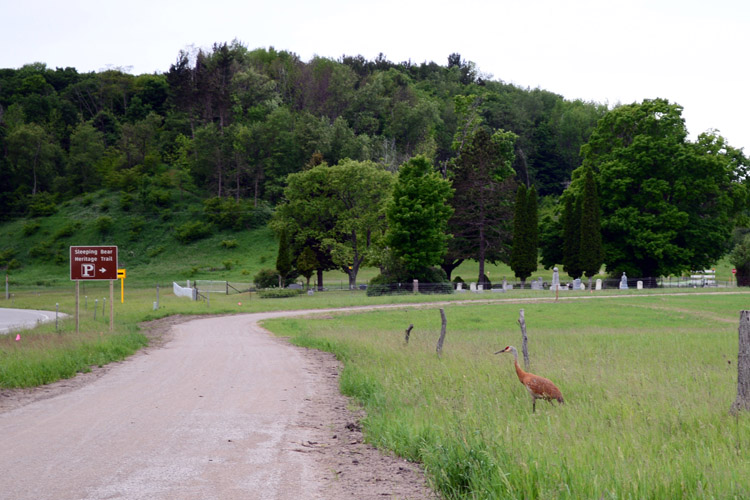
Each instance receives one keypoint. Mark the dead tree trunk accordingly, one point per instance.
(524, 345)
(442, 333)
(408, 332)
(743, 365)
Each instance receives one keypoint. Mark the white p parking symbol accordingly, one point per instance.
(88, 270)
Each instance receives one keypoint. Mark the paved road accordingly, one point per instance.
(215, 414)
(19, 319)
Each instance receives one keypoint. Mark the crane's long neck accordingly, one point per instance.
(521, 374)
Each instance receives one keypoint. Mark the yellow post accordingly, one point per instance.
(121, 275)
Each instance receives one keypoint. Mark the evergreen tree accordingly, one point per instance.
(572, 237)
(532, 221)
(525, 234)
(519, 230)
(284, 259)
(591, 256)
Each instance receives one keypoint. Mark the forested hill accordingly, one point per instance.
(233, 122)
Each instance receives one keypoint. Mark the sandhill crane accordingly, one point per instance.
(538, 387)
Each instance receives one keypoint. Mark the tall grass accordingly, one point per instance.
(648, 383)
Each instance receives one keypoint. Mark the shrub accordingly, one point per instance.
(42, 204)
(229, 244)
(104, 207)
(266, 278)
(159, 197)
(6, 256)
(192, 231)
(126, 202)
(31, 227)
(431, 280)
(42, 250)
(104, 224)
(153, 252)
(136, 227)
(278, 293)
(228, 264)
(67, 230)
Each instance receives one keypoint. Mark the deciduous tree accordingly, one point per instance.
(418, 215)
(666, 204)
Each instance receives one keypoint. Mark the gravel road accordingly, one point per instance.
(222, 410)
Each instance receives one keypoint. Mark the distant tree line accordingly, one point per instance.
(353, 153)
(233, 122)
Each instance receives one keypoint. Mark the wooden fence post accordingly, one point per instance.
(743, 365)
(408, 332)
(442, 333)
(524, 346)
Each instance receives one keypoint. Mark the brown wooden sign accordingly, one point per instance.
(93, 263)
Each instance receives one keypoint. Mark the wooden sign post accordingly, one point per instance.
(94, 263)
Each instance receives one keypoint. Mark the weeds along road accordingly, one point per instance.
(220, 412)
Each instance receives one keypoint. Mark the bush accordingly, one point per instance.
(159, 198)
(104, 224)
(269, 278)
(31, 227)
(126, 202)
(192, 231)
(229, 244)
(136, 227)
(266, 278)
(6, 256)
(67, 230)
(42, 204)
(278, 293)
(153, 252)
(431, 280)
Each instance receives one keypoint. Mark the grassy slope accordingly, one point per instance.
(151, 254)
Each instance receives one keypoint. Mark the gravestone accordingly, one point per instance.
(577, 284)
(473, 287)
(623, 282)
(555, 279)
(639, 285)
(599, 284)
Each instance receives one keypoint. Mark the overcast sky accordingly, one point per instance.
(693, 53)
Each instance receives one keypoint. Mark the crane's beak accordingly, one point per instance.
(500, 352)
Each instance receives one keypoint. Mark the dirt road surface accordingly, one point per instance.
(219, 410)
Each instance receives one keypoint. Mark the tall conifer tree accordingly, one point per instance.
(523, 258)
(591, 255)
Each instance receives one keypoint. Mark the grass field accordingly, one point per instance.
(648, 382)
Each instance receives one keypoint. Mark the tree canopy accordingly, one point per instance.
(418, 216)
(338, 209)
(666, 203)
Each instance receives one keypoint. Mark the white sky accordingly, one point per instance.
(692, 53)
